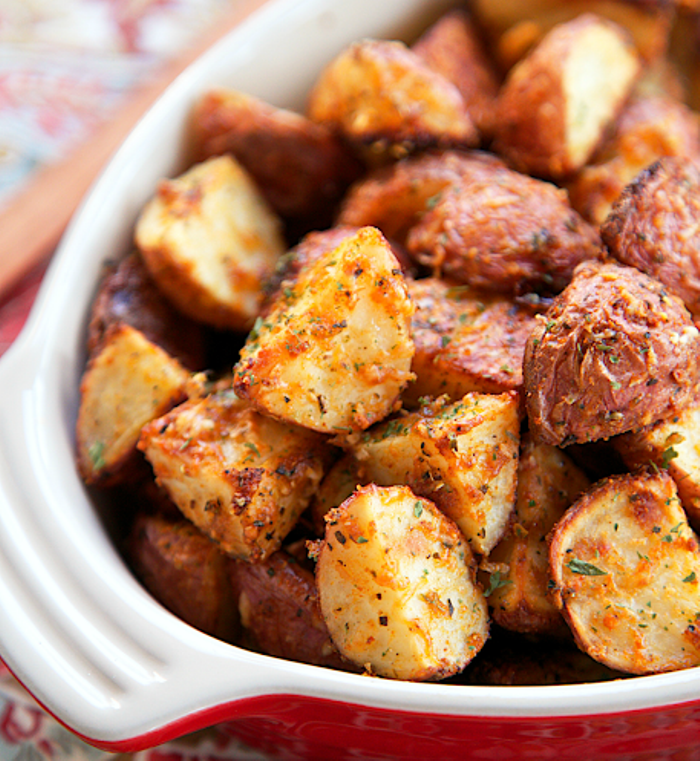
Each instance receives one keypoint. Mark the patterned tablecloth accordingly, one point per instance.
(65, 65)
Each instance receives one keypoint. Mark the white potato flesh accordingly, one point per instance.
(592, 95)
(673, 444)
(209, 240)
(242, 478)
(463, 456)
(335, 351)
(128, 383)
(396, 586)
(626, 571)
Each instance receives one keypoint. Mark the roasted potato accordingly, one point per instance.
(242, 478)
(614, 353)
(626, 571)
(209, 241)
(463, 456)
(384, 98)
(648, 129)
(127, 383)
(453, 47)
(185, 571)
(548, 483)
(277, 602)
(300, 167)
(128, 294)
(394, 198)
(556, 103)
(341, 480)
(671, 445)
(465, 341)
(654, 227)
(335, 351)
(396, 586)
(503, 232)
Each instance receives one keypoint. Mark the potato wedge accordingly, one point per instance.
(615, 352)
(300, 167)
(394, 198)
(277, 601)
(648, 129)
(672, 445)
(626, 569)
(396, 586)
(501, 231)
(185, 571)
(129, 382)
(465, 341)
(453, 47)
(335, 352)
(209, 240)
(548, 483)
(383, 97)
(654, 227)
(557, 102)
(242, 478)
(463, 456)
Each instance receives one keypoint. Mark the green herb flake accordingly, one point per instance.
(496, 582)
(690, 578)
(667, 456)
(583, 568)
(252, 447)
(96, 455)
(418, 509)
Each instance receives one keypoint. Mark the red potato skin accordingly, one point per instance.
(280, 611)
(505, 232)
(614, 353)
(185, 571)
(654, 227)
(128, 294)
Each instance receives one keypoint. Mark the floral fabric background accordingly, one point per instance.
(66, 65)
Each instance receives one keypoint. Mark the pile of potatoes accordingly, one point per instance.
(409, 384)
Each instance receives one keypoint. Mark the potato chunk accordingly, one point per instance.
(673, 445)
(615, 352)
(335, 351)
(626, 568)
(501, 231)
(301, 168)
(242, 478)
(185, 571)
(452, 46)
(648, 129)
(127, 383)
(396, 586)
(548, 482)
(209, 240)
(379, 94)
(278, 605)
(465, 341)
(462, 456)
(394, 198)
(557, 102)
(654, 227)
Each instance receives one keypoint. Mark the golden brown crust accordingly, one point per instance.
(615, 352)
(648, 129)
(301, 168)
(128, 294)
(557, 102)
(394, 198)
(504, 232)
(465, 341)
(379, 93)
(185, 571)
(278, 605)
(453, 48)
(654, 226)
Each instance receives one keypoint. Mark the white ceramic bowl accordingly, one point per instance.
(107, 660)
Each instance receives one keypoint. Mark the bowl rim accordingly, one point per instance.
(81, 634)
